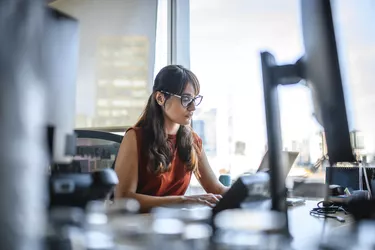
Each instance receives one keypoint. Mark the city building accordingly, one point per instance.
(121, 80)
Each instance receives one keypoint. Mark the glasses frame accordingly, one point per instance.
(179, 96)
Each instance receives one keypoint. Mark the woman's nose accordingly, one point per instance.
(191, 106)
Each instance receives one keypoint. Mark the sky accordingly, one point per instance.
(227, 37)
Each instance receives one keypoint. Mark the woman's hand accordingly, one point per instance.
(204, 199)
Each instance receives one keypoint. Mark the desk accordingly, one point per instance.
(307, 230)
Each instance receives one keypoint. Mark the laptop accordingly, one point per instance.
(288, 159)
(238, 191)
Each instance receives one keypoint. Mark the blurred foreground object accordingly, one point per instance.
(22, 126)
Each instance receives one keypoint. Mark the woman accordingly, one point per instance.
(158, 155)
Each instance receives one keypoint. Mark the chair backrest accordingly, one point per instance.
(88, 175)
(96, 150)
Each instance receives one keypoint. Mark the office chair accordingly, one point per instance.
(96, 150)
(90, 176)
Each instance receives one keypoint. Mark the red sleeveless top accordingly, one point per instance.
(173, 182)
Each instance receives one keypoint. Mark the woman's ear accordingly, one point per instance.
(160, 99)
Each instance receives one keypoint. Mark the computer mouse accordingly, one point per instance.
(336, 190)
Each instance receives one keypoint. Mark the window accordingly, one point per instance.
(161, 46)
(355, 35)
(125, 43)
(226, 40)
(120, 43)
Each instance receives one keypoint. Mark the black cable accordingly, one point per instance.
(326, 210)
(326, 216)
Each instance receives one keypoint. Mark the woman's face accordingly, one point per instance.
(173, 108)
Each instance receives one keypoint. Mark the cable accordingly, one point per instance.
(367, 184)
(338, 218)
(360, 176)
(326, 210)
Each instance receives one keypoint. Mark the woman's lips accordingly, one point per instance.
(189, 115)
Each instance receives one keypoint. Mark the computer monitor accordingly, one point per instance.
(321, 69)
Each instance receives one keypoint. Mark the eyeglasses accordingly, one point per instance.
(186, 100)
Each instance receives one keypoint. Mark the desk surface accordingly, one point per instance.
(307, 230)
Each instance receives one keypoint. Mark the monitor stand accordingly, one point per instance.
(274, 75)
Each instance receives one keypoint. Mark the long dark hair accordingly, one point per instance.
(172, 79)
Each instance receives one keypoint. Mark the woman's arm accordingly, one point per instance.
(127, 171)
(207, 178)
